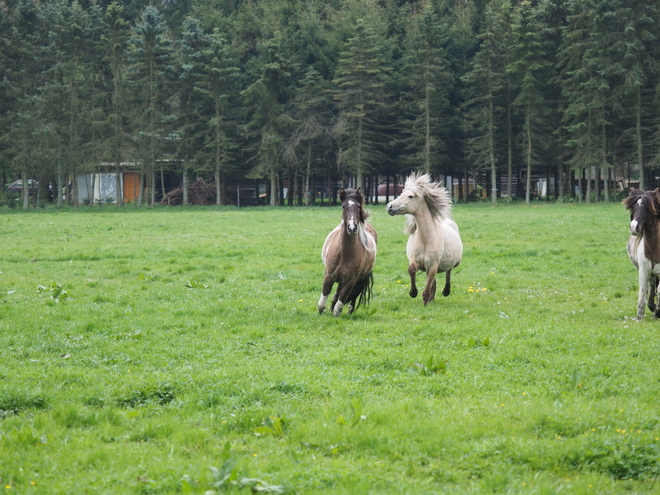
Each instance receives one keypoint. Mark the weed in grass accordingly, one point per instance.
(14, 401)
(430, 367)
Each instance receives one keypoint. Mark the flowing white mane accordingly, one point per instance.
(435, 194)
(436, 197)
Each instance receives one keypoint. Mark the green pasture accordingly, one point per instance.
(180, 351)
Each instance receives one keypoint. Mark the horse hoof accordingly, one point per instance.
(446, 291)
(413, 293)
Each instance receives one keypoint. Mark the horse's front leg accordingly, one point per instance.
(412, 271)
(644, 281)
(429, 289)
(325, 292)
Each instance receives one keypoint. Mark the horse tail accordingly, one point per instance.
(362, 291)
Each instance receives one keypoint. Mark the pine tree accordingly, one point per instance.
(28, 140)
(152, 52)
(189, 69)
(485, 82)
(266, 101)
(116, 41)
(530, 67)
(631, 30)
(312, 129)
(218, 83)
(360, 81)
(424, 101)
(583, 92)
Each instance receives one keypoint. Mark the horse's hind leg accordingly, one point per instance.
(412, 271)
(429, 289)
(653, 290)
(342, 296)
(447, 289)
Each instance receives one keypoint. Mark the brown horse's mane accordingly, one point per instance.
(635, 194)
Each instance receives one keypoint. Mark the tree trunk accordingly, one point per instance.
(509, 133)
(60, 182)
(427, 137)
(184, 184)
(308, 173)
(25, 190)
(274, 190)
(491, 151)
(528, 179)
(640, 159)
(360, 170)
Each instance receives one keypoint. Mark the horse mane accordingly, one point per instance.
(435, 196)
(635, 194)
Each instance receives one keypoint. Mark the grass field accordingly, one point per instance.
(180, 351)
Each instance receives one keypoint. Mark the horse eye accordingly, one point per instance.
(410, 196)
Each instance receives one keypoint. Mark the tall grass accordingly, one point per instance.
(180, 351)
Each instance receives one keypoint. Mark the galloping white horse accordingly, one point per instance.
(434, 244)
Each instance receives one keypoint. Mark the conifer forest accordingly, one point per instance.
(298, 96)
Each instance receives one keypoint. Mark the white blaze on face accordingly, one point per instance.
(634, 223)
(351, 221)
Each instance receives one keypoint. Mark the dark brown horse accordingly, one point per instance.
(349, 253)
(644, 245)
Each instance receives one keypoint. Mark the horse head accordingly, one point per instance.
(407, 202)
(644, 208)
(352, 202)
(420, 193)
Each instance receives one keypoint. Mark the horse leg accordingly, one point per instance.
(643, 291)
(429, 289)
(655, 289)
(342, 296)
(652, 293)
(412, 271)
(336, 298)
(447, 289)
(325, 292)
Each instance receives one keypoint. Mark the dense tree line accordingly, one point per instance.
(331, 89)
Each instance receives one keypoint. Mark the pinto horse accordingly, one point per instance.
(434, 244)
(349, 253)
(644, 245)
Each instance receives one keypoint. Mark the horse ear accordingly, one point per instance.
(359, 190)
(341, 193)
